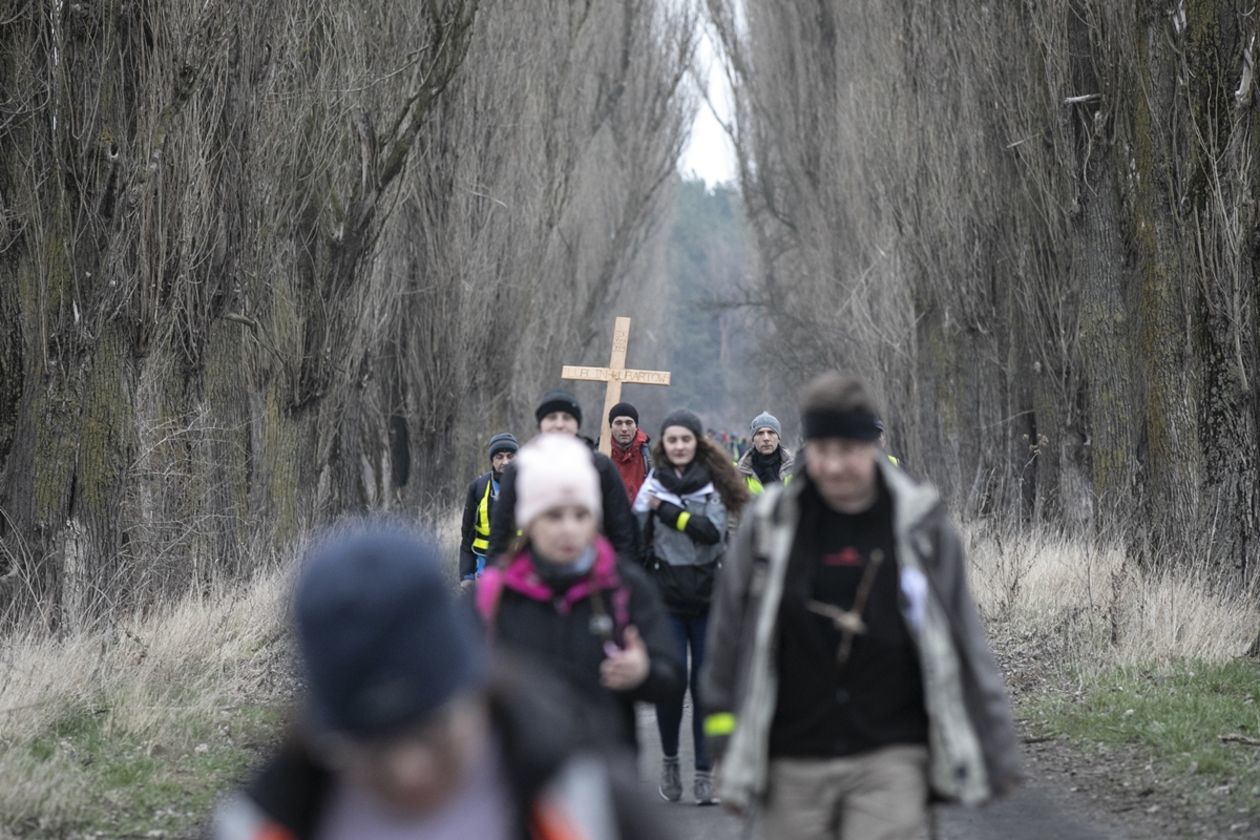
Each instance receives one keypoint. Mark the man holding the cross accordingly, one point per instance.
(631, 448)
(559, 413)
(847, 663)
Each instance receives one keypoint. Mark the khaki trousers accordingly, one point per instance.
(880, 795)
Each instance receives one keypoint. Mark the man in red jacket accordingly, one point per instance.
(631, 449)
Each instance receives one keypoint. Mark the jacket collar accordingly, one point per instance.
(620, 453)
(913, 503)
(520, 576)
(745, 466)
(286, 796)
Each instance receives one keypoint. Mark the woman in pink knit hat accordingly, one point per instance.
(564, 600)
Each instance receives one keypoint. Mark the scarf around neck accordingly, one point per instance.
(559, 578)
(767, 467)
(695, 477)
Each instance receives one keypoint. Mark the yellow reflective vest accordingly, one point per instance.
(757, 488)
(481, 542)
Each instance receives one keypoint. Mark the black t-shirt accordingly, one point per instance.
(874, 700)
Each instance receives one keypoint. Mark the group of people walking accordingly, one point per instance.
(814, 605)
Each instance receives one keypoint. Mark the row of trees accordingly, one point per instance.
(1034, 226)
(709, 345)
(264, 263)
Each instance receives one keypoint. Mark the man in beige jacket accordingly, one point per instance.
(848, 667)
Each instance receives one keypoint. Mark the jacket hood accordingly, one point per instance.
(520, 576)
(913, 503)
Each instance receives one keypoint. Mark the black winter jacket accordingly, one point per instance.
(559, 633)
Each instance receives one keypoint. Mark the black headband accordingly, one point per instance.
(851, 425)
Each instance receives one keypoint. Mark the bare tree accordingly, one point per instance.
(1033, 225)
(251, 255)
(530, 221)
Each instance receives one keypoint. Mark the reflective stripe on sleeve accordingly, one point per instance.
(718, 724)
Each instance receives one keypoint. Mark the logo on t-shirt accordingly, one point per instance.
(847, 557)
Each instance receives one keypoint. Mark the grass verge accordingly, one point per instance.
(1196, 718)
(135, 725)
(101, 780)
(134, 730)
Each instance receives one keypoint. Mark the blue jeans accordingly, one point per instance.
(689, 634)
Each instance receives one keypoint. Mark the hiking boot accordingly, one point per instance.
(703, 788)
(671, 780)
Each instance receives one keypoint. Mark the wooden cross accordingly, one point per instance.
(615, 375)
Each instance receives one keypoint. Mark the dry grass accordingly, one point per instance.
(137, 725)
(1106, 610)
(202, 653)
(134, 725)
(1140, 672)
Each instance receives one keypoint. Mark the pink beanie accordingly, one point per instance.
(554, 470)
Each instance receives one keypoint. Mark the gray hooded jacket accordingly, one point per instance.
(972, 740)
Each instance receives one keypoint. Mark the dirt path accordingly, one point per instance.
(1041, 811)
(1036, 812)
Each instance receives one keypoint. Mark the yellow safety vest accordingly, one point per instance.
(757, 488)
(893, 460)
(481, 542)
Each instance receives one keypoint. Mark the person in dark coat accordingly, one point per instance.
(479, 503)
(566, 602)
(559, 412)
(408, 729)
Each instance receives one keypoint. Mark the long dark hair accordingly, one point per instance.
(721, 469)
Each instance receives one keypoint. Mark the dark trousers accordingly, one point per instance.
(689, 636)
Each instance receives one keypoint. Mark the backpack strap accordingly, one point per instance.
(488, 594)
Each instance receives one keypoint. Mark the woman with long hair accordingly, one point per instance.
(686, 507)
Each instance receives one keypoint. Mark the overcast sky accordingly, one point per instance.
(709, 153)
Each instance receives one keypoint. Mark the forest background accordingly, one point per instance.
(261, 267)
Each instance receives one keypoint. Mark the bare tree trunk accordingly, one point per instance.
(1092, 224)
(153, 381)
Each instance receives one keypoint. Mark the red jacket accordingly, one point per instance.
(633, 462)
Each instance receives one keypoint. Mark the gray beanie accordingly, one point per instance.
(766, 420)
(502, 442)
